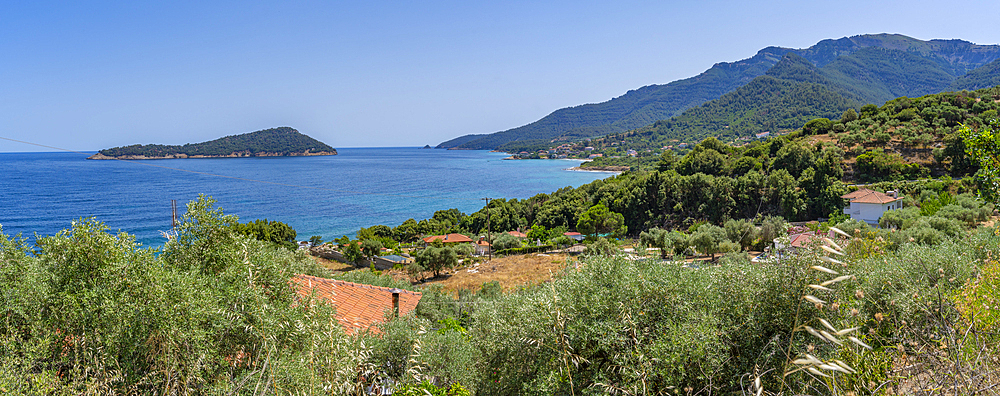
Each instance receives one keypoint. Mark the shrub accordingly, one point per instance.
(506, 241)
(899, 218)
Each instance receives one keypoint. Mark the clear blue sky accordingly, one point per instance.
(91, 75)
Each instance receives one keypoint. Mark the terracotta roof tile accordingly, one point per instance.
(359, 307)
(858, 193)
(518, 234)
(450, 238)
(874, 197)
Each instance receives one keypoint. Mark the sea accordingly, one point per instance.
(329, 196)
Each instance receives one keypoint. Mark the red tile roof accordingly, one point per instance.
(359, 307)
(869, 196)
(858, 193)
(450, 238)
(518, 234)
(805, 239)
(572, 233)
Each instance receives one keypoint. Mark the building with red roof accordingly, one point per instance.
(518, 234)
(869, 205)
(359, 307)
(449, 238)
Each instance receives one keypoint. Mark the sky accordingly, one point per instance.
(87, 75)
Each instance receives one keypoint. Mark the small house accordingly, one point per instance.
(483, 247)
(869, 205)
(576, 236)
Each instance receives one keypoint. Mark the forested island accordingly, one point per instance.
(274, 142)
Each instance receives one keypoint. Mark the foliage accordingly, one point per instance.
(427, 388)
(351, 250)
(371, 249)
(269, 231)
(506, 241)
(91, 312)
(436, 259)
(282, 141)
(983, 146)
(598, 220)
(315, 240)
(978, 300)
(708, 239)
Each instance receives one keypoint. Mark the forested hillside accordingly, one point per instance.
(799, 176)
(634, 109)
(860, 69)
(274, 141)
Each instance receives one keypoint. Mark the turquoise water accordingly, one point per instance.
(328, 196)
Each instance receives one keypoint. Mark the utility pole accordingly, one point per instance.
(489, 237)
(173, 214)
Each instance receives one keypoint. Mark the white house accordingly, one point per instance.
(868, 205)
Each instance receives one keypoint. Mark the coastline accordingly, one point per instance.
(100, 156)
(597, 170)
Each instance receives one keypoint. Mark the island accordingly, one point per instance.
(274, 142)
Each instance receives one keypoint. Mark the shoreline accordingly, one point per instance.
(100, 156)
(579, 169)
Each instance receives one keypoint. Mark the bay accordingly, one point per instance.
(328, 196)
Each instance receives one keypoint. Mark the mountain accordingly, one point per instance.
(634, 109)
(274, 142)
(861, 69)
(983, 77)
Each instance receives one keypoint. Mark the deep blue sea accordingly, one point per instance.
(328, 196)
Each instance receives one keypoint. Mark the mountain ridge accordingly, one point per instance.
(944, 60)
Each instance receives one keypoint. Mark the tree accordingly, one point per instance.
(350, 249)
(708, 239)
(538, 233)
(371, 248)
(983, 147)
(406, 232)
(601, 247)
(435, 259)
(506, 241)
(848, 116)
(655, 237)
(269, 231)
(818, 126)
(794, 158)
(598, 220)
(315, 240)
(667, 161)
(741, 231)
(772, 227)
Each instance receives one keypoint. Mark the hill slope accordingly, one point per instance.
(865, 69)
(274, 142)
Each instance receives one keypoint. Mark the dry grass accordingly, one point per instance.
(335, 267)
(511, 272)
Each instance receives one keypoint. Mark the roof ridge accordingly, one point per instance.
(358, 285)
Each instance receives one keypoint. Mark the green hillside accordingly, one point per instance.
(983, 77)
(859, 69)
(634, 109)
(283, 141)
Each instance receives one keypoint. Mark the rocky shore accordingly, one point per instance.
(610, 169)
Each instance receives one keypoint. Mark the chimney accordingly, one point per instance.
(891, 193)
(395, 302)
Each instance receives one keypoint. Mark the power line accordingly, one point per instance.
(251, 180)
